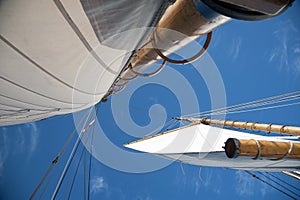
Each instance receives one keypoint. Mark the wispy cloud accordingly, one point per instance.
(22, 142)
(286, 53)
(34, 136)
(247, 185)
(141, 197)
(204, 179)
(235, 48)
(98, 184)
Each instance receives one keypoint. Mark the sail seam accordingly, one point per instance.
(42, 68)
(77, 31)
(37, 93)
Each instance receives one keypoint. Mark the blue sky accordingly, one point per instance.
(255, 60)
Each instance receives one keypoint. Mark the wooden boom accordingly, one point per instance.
(262, 149)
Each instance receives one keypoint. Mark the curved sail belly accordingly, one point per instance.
(52, 61)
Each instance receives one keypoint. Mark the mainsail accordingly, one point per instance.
(56, 60)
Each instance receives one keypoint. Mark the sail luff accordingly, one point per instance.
(282, 129)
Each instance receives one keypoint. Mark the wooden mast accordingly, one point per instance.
(282, 129)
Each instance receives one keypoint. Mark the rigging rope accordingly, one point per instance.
(70, 158)
(116, 87)
(90, 166)
(252, 104)
(90, 160)
(249, 106)
(46, 186)
(256, 109)
(283, 181)
(75, 174)
(56, 159)
(84, 175)
(279, 184)
(262, 180)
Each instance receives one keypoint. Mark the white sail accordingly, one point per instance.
(56, 56)
(203, 145)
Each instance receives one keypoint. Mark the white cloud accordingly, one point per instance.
(34, 136)
(139, 197)
(286, 53)
(207, 178)
(248, 185)
(235, 48)
(25, 142)
(98, 184)
(245, 183)
(297, 50)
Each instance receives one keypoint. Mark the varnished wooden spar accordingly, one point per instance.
(283, 129)
(181, 24)
(262, 149)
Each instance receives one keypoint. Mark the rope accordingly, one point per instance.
(119, 87)
(257, 109)
(260, 179)
(248, 104)
(167, 126)
(46, 186)
(75, 174)
(257, 103)
(90, 160)
(287, 183)
(84, 175)
(56, 159)
(90, 167)
(69, 160)
(279, 184)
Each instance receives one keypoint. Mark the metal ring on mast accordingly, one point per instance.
(258, 150)
(185, 61)
(268, 129)
(148, 74)
(287, 153)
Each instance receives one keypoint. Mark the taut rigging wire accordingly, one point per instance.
(262, 180)
(252, 104)
(256, 109)
(292, 186)
(56, 159)
(90, 166)
(90, 161)
(46, 186)
(75, 174)
(84, 176)
(281, 185)
(66, 168)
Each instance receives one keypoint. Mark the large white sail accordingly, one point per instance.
(56, 56)
(204, 145)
